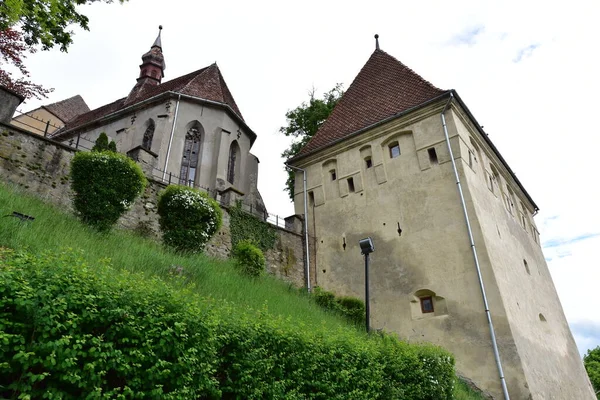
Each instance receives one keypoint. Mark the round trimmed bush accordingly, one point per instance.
(188, 218)
(249, 258)
(105, 184)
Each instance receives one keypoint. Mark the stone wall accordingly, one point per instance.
(41, 167)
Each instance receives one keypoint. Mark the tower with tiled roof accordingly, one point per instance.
(188, 130)
(457, 260)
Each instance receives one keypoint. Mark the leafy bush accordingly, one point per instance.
(105, 185)
(350, 307)
(249, 258)
(70, 331)
(102, 144)
(73, 332)
(245, 226)
(188, 218)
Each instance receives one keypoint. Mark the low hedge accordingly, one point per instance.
(351, 308)
(70, 331)
(249, 259)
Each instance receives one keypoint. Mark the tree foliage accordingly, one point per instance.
(13, 52)
(103, 144)
(250, 260)
(303, 122)
(45, 22)
(592, 365)
(105, 184)
(188, 218)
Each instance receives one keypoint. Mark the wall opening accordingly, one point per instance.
(542, 318)
(368, 162)
(394, 149)
(332, 175)
(426, 303)
(351, 185)
(311, 199)
(526, 267)
(433, 158)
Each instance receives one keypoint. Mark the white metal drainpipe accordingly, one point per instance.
(307, 254)
(474, 250)
(171, 138)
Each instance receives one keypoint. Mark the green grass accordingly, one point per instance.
(216, 279)
(463, 392)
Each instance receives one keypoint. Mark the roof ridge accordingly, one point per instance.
(383, 87)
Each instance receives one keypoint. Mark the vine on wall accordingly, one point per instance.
(244, 226)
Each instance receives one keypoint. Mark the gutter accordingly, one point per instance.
(156, 98)
(452, 94)
(474, 251)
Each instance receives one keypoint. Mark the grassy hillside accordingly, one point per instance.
(199, 279)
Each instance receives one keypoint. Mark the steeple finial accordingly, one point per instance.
(157, 42)
(376, 41)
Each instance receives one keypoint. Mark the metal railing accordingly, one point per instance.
(30, 119)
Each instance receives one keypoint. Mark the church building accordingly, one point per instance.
(457, 259)
(188, 130)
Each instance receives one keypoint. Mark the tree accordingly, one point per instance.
(45, 22)
(302, 124)
(102, 144)
(12, 52)
(25, 24)
(592, 365)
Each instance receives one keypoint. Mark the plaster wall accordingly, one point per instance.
(417, 193)
(35, 121)
(550, 360)
(218, 132)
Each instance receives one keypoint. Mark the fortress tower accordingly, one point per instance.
(407, 164)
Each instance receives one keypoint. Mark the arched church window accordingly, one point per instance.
(234, 151)
(148, 135)
(191, 154)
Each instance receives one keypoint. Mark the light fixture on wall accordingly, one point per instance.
(366, 248)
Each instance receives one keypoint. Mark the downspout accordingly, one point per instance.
(474, 250)
(307, 254)
(171, 138)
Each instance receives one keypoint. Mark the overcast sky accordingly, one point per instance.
(528, 71)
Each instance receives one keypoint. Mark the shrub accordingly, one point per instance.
(351, 308)
(249, 258)
(102, 144)
(188, 218)
(70, 331)
(73, 332)
(105, 185)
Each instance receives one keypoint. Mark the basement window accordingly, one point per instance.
(433, 159)
(426, 304)
(332, 175)
(351, 185)
(368, 162)
(394, 149)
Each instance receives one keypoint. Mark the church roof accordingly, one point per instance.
(69, 108)
(383, 88)
(206, 83)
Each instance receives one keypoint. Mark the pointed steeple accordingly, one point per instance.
(152, 69)
(153, 62)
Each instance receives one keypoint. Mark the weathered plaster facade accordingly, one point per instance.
(357, 189)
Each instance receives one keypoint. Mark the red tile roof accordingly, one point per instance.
(69, 108)
(206, 83)
(383, 88)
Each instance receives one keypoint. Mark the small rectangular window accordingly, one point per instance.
(426, 304)
(333, 175)
(351, 185)
(432, 156)
(394, 150)
(368, 162)
(311, 199)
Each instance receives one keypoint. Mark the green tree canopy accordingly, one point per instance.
(592, 365)
(45, 22)
(303, 122)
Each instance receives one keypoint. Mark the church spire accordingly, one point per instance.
(153, 66)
